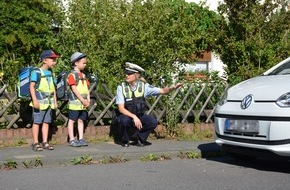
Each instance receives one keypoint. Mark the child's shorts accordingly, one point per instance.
(77, 114)
(42, 116)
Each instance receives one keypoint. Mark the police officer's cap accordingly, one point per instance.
(133, 68)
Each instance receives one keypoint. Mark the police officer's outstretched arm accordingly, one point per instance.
(167, 90)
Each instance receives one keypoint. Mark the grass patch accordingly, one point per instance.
(149, 157)
(189, 155)
(154, 157)
(195, 135)
(10, 164)
(27, 164)
(21, 142)
(112, 159)
(30, 163)
(85, 160)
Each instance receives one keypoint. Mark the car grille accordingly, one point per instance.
(245, 134)
(253, 141)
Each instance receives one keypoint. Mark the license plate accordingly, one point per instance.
(242, 126)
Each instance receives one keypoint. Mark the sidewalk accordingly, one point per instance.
(63, 154)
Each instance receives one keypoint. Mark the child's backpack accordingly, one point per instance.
(62, 88)
(23, 84)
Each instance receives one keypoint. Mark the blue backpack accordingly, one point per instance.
(23, 84)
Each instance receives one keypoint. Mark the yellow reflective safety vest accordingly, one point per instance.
(82, 87)
(134, 100)
(44, 92)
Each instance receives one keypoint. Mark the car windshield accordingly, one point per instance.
(282, 70)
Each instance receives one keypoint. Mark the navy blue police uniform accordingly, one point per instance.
(133, 98)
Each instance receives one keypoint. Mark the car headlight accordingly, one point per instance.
(284, 100)
(223, 99)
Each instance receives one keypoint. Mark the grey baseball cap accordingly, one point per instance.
(77, 56)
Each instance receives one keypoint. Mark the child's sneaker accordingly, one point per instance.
(82, 142)
(74, 143)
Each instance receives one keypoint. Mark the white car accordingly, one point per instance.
(253, 117)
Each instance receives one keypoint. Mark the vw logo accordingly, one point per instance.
(246, 102)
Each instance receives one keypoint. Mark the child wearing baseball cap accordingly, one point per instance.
(43, 99)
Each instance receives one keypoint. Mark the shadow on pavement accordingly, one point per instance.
(206, 147)
(271, 163)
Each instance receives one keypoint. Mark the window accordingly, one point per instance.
(197, 66)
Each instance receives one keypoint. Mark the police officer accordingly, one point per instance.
(130, 99)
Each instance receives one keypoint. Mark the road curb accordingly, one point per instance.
(104, 153)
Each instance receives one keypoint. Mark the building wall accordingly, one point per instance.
(208, 61)
(216, 64)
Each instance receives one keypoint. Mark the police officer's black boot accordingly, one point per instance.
(138, 141)
(125, 143)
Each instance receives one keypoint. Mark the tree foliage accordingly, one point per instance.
(253, 37)
(248, 35)
(152, 33)
(26, 29)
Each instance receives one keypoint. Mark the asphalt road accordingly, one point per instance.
(223, 173)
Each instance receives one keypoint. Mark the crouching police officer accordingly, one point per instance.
(131, 105)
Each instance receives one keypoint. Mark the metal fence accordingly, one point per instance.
(195, 100)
